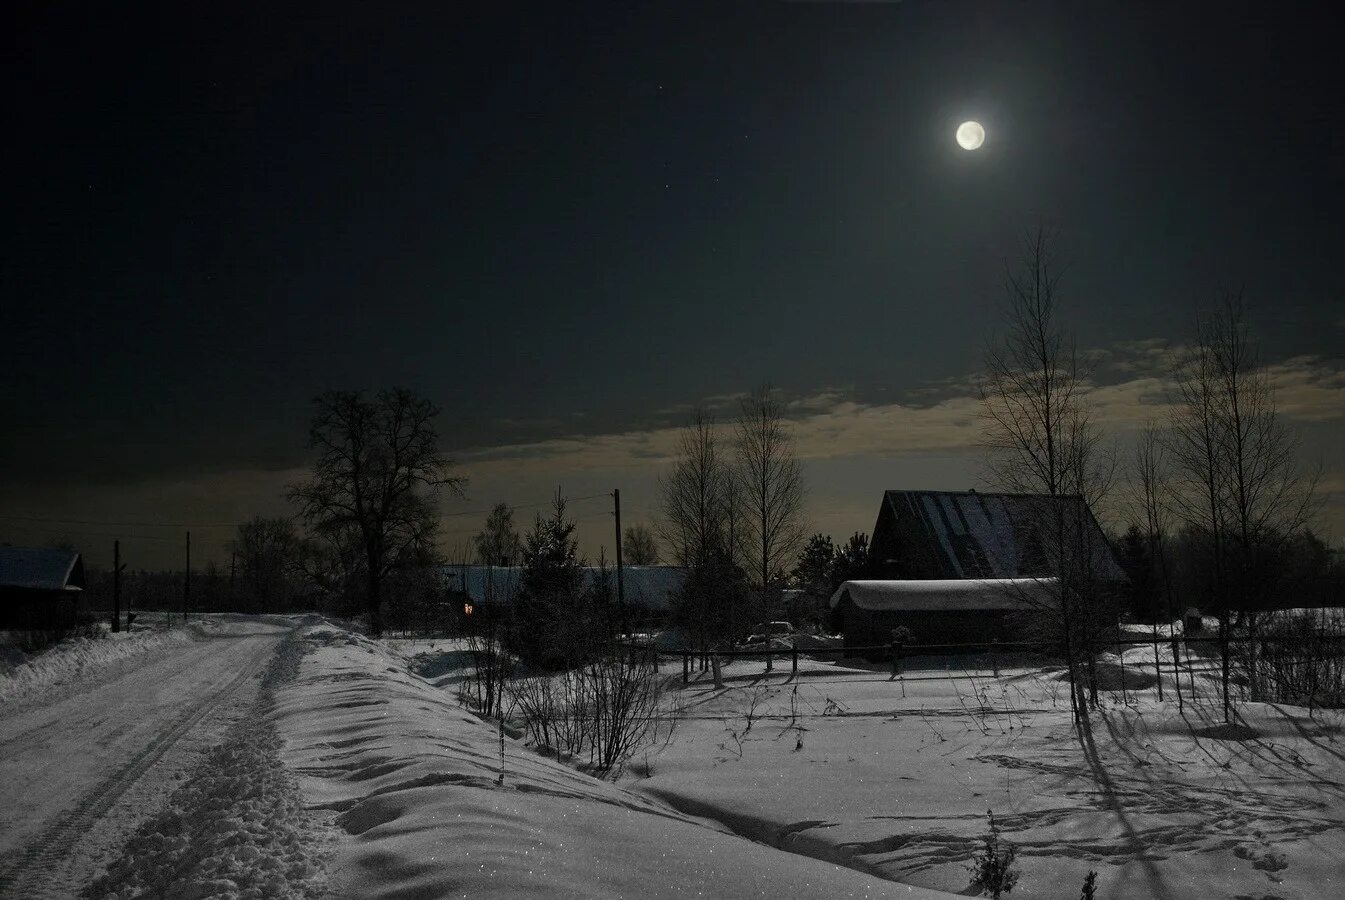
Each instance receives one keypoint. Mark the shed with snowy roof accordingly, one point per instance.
(937, 611)
(40, 588)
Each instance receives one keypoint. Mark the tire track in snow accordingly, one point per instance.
(120, 670)
(33, 870)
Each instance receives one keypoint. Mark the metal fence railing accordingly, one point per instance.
(898, 653)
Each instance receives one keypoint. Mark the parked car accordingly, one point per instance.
(772, 631)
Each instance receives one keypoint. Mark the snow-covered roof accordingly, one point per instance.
(40, 568)
(650, 587)
(948, 594)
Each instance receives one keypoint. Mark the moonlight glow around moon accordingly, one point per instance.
(970, 135)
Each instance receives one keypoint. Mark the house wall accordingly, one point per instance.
(29, 609)
(865, 628)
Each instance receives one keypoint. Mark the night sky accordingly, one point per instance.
(567, 226)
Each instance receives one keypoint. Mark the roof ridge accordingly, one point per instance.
(975, 493)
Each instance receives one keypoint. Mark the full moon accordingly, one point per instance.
(970, 135)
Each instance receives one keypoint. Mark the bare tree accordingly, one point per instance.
(1268, 497)
(693, 493)
(1244, 491)
(498, 542)
(1150, 488)
(266, 551)
(1038, 426)
(1043, 441)
(1194, 443)
(770, 480)
(639, 546)
(377, 469)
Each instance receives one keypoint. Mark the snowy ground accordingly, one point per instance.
(105, 746)
(895, 777)
(71, 662)
(236, 828)
(177, 769)
(413, 782)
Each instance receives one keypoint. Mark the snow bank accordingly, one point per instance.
(80, 658)
(414, 782)
(236, 829)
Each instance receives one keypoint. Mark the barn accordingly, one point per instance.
(937, 611)
(955, 566)
(40, 588)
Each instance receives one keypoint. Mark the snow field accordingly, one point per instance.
(413, 782)
(896, 777)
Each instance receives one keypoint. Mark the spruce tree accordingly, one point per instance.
(552, 615)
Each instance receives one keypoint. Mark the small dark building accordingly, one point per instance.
(40, 588)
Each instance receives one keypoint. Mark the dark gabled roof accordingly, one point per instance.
(969, 534)
(38, 568)
(650, 587)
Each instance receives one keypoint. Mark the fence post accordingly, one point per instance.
(1121, 663)
(770, 656)
(1223, 652)
(994, 656)
(686, 667)
(794, 667)
(895, 647)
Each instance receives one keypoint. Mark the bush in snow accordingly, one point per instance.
(1302, 662)
(626, 698)
(607, 708)
(491, 666)
(991, 867)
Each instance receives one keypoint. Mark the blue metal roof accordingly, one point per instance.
(650, 587)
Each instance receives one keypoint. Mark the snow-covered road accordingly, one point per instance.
(77, 775)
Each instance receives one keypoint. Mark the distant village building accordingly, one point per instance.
(956, 566)
(40, 588)
(489, 590)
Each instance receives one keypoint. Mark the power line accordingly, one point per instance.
(116, 524)
(126, 537)
(184, 525)
(513, 506)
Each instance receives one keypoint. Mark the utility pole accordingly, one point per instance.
(620, 583)
(233, 564)
(186, 582)
(116, 588)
